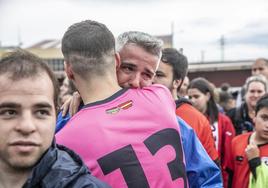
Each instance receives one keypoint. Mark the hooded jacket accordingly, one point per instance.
(61, 168)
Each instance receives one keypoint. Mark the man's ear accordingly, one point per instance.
(177, 83)
(117, 60)
(68, 71)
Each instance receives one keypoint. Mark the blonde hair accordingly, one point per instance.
(257, 78)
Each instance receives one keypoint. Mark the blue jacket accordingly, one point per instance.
(202, 172)
(61, 121)
(61, 168)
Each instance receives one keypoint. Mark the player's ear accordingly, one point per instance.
(176, 83)
(117, 60)
(68, 70)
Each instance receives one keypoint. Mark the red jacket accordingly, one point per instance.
(238, 163)
(200, 124)
(223, 138)
(226, 133)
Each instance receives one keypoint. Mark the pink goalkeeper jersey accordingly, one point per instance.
(130, 139)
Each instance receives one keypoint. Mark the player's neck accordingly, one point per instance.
(174, 94)
(11, 178)
(97, 89)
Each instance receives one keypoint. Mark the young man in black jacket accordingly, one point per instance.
(28, 155)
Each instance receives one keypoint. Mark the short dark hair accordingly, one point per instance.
(204, 86)
(178, 62)
(261, 103)
(86, 46)
(225, 86)
(225, 96)
(22, 64)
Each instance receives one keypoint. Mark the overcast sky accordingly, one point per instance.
(198, 24)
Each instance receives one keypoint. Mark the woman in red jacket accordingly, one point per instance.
(201, 94)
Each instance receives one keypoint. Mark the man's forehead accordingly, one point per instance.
(41, 85)
(259, 63)
(6, 83)
(137, 51)
(165, 67)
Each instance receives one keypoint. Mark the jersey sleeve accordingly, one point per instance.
(162, 94)
(261, 179)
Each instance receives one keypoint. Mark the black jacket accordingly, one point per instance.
(61, 168)
(240, 119)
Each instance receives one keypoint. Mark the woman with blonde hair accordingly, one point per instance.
(242, 116)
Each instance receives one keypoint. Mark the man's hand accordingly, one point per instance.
(252, 151)
(71, 104)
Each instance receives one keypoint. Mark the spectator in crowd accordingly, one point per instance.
(201, 94)
(225, 87)
(242, 116)
(260, 67)
(171, 72)
(226, 101)
(226, 98)
(28, 155)
(127, 134)
(248, 165)
(172, 69)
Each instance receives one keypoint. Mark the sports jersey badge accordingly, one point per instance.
(264, 160)
(239, 158)
(122, 106)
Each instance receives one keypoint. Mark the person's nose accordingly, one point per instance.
(256, 94)
(135, 82)
(154, 80)
(257, 72)
(26, 124)
(192, 100)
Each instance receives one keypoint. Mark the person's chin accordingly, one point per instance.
(253, 104)
(24, 157)
(21, 163)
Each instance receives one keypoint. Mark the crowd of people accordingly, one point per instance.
(129, 117)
